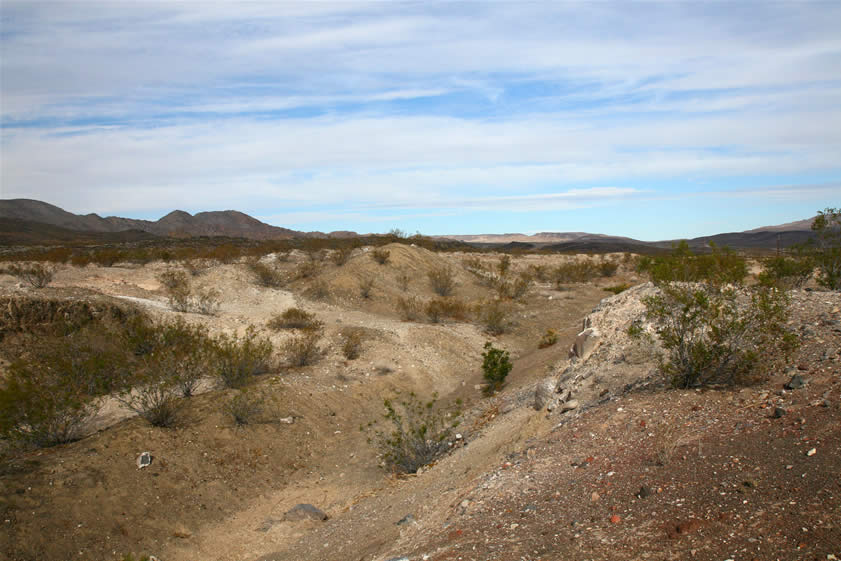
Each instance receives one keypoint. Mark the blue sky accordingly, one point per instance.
(650, 120)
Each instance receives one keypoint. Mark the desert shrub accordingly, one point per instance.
(366, 286)
(786, 272)
(720, 266)
(403, 280)
(106, 257)
(541, 273)
(352, 342)
(719, 334)
(519, 287)
(493, 314)
(294, 318)
(185, 354)
(442, 280)
(176, 285)
(224, 253)
(155, 400)
(574, 272)
(239, 359)
(496, 365)
(341, 255)
(308, 270)
(440, 308)
(317, 290)
(420, 433)
(548, 339)
(282, 256)
(265, 275)
(36, 275)
(503, 265)
(205, 301)
(825, 247)
(43, 408)
(617, 288)
(195, 267)
(380, 255)
(608, 268)
(246, 407)
(303, 349)
(410, 308)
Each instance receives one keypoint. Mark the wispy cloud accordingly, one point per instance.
(425, 108)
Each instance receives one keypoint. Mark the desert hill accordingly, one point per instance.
(228, 223)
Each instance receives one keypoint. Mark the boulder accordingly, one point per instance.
(586, 342)
(543, 394)
(303, 512)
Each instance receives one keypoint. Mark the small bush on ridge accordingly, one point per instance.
(496, 365)
(420, 433)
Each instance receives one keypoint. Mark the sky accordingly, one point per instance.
(654, 120)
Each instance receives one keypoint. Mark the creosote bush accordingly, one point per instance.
(246, 407)
(574, 272)
(825, 248)
(380, 255)
(352, 342)
(341, 255)
(548, 339)
(496, 365)
(183, 297)
(317, 290)
(720, 266)
(493, 314)
(618, 288)
(442, 280)
(411, 308)
(786, 272)
(420, 433)
(366, 286)
(240, 359)
(303, 349)
(294, 318)
(36, 275)
(265, 275)
(717, 334)
(439, 309)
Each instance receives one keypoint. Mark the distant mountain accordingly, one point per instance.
(229, 223)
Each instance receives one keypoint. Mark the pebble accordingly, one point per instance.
(812, 452)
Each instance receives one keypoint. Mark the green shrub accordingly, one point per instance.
(303, 349)
(41, 407)
(442, 280)
(266, 276)
(574, 272)
(176, 285)
(239, 359)
(608, 268)
(618, 288)
(36, 275)
(155, 398)
(380, 255)
(549, 338)
(718, 334)
(496, 365)
(420, 433)
(825, 247)
(721, 266)
(786, 272)
(294, 318)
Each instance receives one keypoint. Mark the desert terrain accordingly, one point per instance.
(636, 470)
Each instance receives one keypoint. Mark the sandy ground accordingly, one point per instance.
(528, 485)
